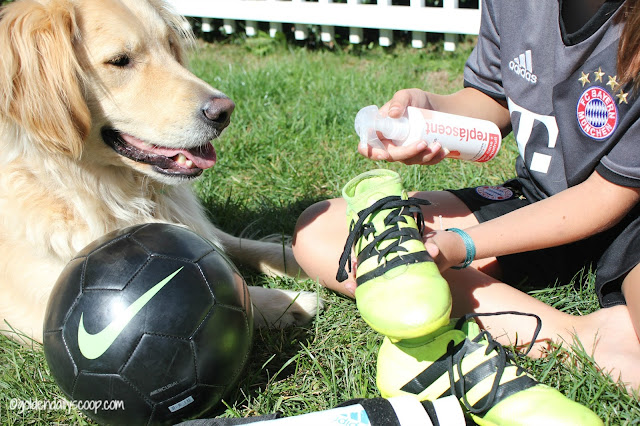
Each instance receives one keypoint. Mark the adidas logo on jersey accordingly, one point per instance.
(522, 66)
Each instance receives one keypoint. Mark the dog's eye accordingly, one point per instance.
(120, 61)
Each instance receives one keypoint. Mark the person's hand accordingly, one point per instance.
(350, 284)
(419, 153)
(416, 153)
(446, 248)
(398, 104)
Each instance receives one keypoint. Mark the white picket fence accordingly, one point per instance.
(327, 14)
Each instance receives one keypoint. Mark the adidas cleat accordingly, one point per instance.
(400, 292)
(461, 360)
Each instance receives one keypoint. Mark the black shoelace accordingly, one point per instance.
(399, 210)
(452, 360)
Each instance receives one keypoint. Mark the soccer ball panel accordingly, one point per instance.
(66, 291)
(113, 265)
(225, 282)
(179, 307)
(161, 367)
(218, 343)
(193, 403)
(60, 360)
(175, 242)
(105, 239)
(110, 389)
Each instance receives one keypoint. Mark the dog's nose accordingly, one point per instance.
(217, 111)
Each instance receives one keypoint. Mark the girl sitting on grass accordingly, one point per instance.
(564, 77)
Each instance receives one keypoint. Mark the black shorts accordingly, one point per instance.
(612, 253)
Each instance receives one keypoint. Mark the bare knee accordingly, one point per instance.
(311, 216)
(318, 241)
(320, 221)
(307, 226)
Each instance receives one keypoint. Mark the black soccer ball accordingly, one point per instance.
(151, 324)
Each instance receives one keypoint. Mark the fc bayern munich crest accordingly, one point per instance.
(496, 193)
(597, 113)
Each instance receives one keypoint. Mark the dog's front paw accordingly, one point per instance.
(283, 308)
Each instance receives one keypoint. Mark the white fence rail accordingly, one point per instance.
(384, 16)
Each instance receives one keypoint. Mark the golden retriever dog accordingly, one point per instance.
(102, 127)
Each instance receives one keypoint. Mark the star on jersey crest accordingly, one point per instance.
(584, 79)
(599, 74)
(613, 82)
(622, 97)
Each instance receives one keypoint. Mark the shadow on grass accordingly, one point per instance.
(273, 358)
(263, 220)
(275, 352)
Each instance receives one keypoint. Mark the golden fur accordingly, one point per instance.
(71, 69)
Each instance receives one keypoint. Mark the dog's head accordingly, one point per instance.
(105, 81)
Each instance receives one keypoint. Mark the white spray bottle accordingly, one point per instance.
(408, 410)
(461, 137)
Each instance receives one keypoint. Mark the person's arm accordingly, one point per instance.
(467, 102)
(579, 212)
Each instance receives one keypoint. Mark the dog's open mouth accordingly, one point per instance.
(187, 163)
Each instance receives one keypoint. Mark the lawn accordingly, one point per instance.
(291, 143)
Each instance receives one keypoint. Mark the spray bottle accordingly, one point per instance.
(407, 410)
(461, 137)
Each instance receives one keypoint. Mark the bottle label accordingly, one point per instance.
(351, 415)
(465, 138)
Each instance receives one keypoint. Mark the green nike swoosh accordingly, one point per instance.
(93, 346)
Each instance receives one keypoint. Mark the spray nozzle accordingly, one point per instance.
(369, 121)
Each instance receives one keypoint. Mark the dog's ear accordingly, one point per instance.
(181, 36)
(40, 77)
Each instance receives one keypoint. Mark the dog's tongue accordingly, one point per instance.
(203, 157)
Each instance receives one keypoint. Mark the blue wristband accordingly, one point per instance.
(468, 245)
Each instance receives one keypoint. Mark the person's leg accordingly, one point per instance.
(318, 241)
(322, 229)
(631, 291)
(608, 333)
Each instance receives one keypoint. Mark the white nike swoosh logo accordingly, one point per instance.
(93, 346)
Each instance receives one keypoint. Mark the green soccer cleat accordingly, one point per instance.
(493, 391)
(400, 292)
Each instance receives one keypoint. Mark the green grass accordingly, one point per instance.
(291, 143)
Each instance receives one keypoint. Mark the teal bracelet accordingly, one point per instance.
(468, 245)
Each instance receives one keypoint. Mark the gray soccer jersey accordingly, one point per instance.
(569, 114)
